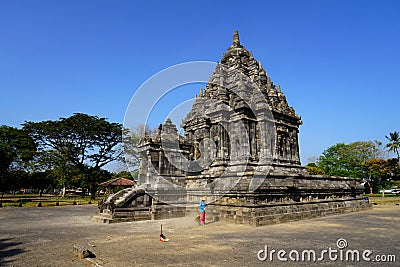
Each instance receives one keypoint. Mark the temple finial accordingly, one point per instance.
(236, 40)
(201, 92)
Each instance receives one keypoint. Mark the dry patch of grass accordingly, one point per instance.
(388, 199)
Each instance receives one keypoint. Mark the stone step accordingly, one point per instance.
(100, 219)
(105, 215)
(124, 215)
(131, 214)
(122, 198)
(130, 219)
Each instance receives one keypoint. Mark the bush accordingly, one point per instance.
(314, 170)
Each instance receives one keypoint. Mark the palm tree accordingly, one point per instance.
(394, 143)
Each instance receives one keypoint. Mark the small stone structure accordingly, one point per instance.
(240, 149)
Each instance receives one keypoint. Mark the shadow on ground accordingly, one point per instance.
(9, 248)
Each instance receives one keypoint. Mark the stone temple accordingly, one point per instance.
(240, 149)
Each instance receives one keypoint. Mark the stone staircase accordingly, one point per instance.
(118, 207)
(123, 215)
(124, 195)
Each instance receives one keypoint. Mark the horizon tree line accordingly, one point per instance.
(69, 152)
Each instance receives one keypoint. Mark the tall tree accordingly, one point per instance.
(381, 173)
(81, 141)
(16, 148)
(347, 160)
(394, 143)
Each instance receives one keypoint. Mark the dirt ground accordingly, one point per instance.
(46, 236)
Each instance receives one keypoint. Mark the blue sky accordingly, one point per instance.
(336, 61)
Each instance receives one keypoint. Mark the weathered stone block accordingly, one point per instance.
(81, 252)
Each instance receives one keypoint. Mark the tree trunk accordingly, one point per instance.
(93, 191)
(370, 188)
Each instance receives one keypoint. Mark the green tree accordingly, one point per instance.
(376, 173)
(16, 149)
(381, 174)
(59, 171)
(81, 142)
(313, 169)
(41, 180)
(18, 179)
(124, 174)
(347, 160)
(394, 143)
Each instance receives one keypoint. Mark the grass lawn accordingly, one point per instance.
(35, 200)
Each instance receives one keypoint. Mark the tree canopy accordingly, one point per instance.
(313, 169)
(16, 148)
(366, 160)
(81, 139)
(381, 173)
(81, 144)
(347, 160)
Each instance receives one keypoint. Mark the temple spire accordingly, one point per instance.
(236, 41)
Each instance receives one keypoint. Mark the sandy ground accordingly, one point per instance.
(46, 236)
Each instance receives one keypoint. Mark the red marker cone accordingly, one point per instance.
(163, 238)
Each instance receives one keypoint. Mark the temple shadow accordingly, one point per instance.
(9, 248)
